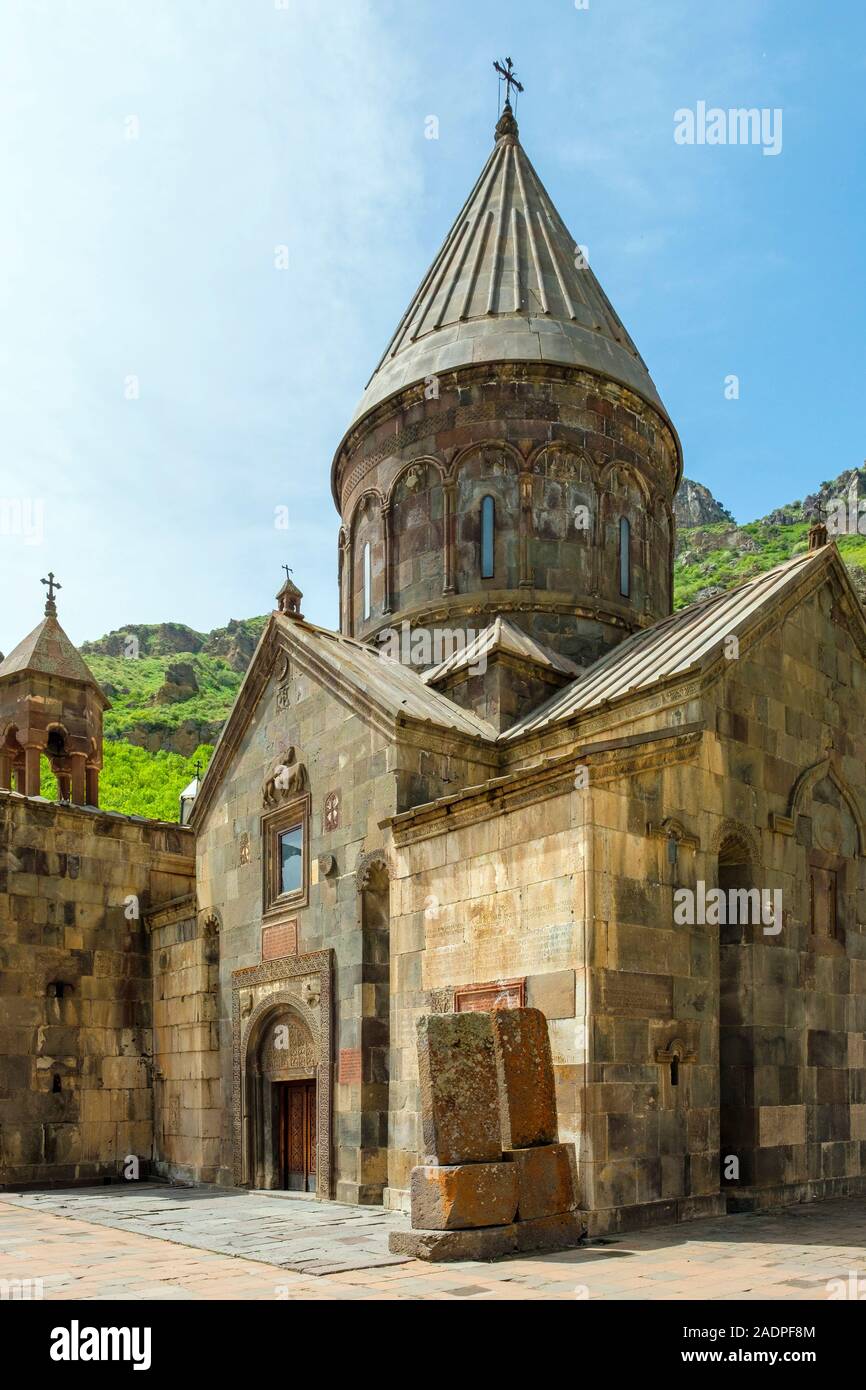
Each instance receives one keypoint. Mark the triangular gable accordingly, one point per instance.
(377, 689)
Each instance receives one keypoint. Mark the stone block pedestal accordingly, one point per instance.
(464, 1196)
(546, 1183)
(561, 1232)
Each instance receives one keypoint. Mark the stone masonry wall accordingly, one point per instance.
(498, 902)
(564, 454)
(188, 1093)
(372, 776)
(75, 990)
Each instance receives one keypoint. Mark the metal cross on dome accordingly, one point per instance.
(509, 77)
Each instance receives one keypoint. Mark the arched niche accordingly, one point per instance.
(662, 543)
(827, 821)
(491, 470)
(374, 906)
(367, 529)
(738, 1135)
(624, 494)
(564, 504)
(417, 525)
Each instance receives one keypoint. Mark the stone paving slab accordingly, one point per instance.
(322, 1237)
(790, 1255)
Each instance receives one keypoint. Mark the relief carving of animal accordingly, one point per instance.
(287, 778)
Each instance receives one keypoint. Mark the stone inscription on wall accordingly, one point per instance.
(280, 940)
(642, 996)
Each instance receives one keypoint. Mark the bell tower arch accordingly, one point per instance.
(50, 706)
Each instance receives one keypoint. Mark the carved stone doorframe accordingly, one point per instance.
(301, 986)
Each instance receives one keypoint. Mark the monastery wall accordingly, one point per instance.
(75, 1005)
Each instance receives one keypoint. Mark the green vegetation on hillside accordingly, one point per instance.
(138, 783)
(712, 559)
(133, 688)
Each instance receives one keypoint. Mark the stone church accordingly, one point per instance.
(491, 788)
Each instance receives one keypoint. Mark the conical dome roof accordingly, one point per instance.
(507, 286)
(48, 651)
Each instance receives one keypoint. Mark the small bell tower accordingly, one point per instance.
(51, 705)
(289, 597)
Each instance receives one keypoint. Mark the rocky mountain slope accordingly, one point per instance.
(715, 554)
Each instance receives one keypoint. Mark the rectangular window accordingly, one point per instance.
(488, 525)
(292, 860)
(285, 857)
(368, 582)
(624, 557)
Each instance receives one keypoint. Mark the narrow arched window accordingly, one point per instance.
(368, 582)
(624, 557)
(488, 527)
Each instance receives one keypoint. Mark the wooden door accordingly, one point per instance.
(296, 1136)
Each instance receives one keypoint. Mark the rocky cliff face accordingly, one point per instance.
(695, 505)
(714, 554)
(235, 642)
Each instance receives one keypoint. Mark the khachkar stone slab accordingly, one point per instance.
(546, 1184)
(464, 1196)
(524, 1069)
(458, 1085)
(560, 1232)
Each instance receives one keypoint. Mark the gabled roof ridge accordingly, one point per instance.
(505, 635)
(648, 657)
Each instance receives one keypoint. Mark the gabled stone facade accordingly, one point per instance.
(552, 828)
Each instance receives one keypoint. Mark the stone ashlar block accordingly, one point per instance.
(487, 1243)
(546, 1180)
(562, 1232)
(524, 1069)
(458, 1088)
(464, 1196)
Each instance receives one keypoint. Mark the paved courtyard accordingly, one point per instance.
(155, 1242)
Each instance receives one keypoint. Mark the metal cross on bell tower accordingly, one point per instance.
(53, 585)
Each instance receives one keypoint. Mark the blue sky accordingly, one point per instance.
(261, 125)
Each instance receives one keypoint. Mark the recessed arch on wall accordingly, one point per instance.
(609, 477)
(624, 495)
(487, 469)
(729, 832)
(367, 527)
(416, 527)
(563, 518)
(422, 461)
(803, 785)
(663, 518)
(298, 991)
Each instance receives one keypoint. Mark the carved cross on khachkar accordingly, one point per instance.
(50, 605)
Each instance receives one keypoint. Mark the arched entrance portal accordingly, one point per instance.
(282, 1073)
(281, 1102)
